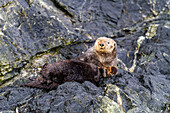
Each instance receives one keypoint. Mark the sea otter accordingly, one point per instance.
(90, 66)
(103, 54)
(63, 71)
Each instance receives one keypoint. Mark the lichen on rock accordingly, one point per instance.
(33, 32)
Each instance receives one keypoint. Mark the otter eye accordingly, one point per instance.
(114, 45)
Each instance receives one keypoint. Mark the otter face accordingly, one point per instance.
(105, 45)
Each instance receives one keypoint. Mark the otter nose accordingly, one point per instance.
(101, 45)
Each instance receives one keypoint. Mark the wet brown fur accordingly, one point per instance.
(63, 71)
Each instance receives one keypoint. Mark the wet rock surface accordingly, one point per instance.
(33, 32)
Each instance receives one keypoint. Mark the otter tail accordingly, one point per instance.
(42, 84)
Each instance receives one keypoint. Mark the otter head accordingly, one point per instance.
(105, 45)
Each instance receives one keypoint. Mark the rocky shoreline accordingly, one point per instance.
(33, 32)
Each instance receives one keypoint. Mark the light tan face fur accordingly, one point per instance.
(105, 45)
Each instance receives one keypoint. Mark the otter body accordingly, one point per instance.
(103, 54)
(63, 71)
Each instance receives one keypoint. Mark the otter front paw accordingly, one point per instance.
(112, 70)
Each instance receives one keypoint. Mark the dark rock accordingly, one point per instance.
(69, 97)
(33, 32)
(11, 97)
